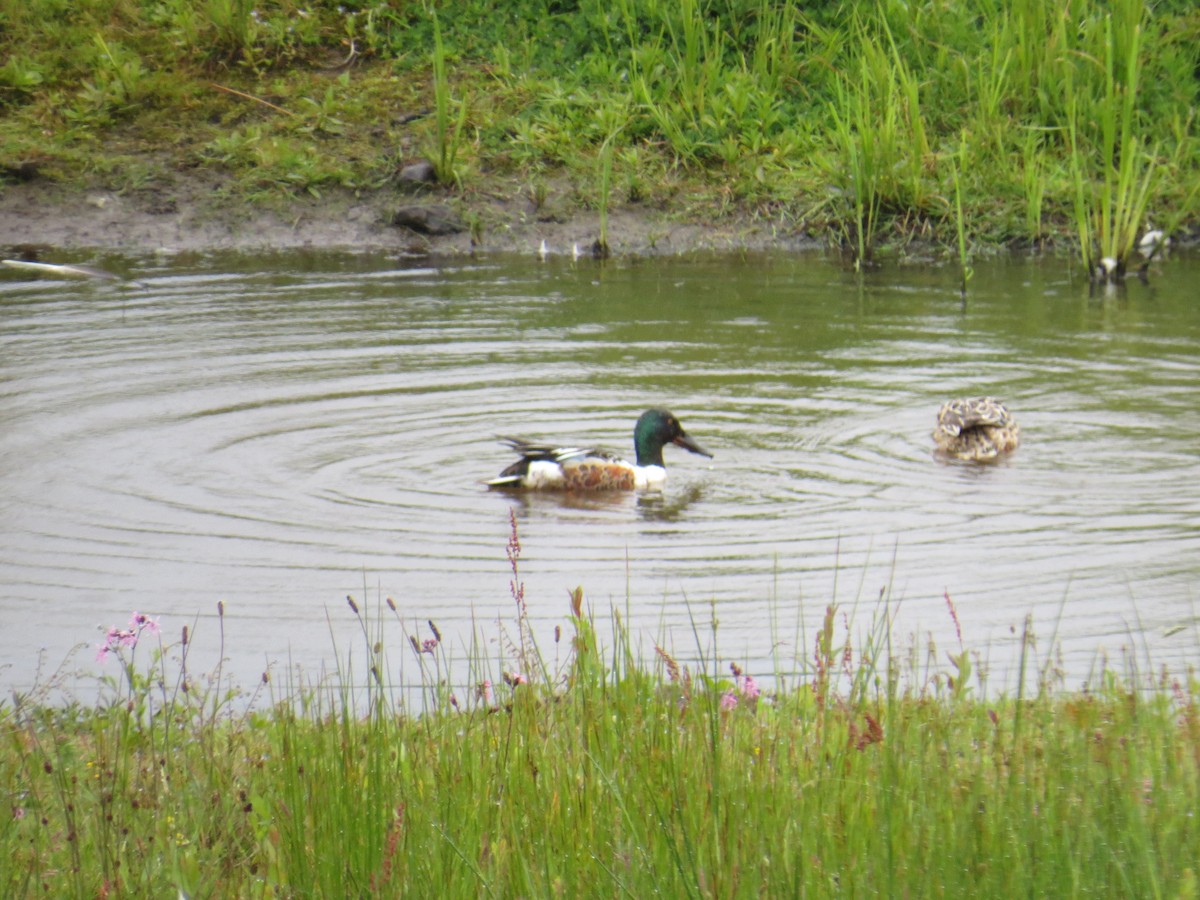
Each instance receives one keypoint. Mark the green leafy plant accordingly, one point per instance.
(234, 26)
(321, 115)
(20, 77)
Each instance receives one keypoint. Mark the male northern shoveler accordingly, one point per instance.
(977, 429)
(546, 467)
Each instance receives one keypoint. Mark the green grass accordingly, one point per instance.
(870, 123)
(1110, 209)
(585, 771)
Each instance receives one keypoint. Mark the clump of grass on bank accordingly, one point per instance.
(869, 123)
(599, 775)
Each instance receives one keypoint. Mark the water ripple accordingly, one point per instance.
(277, 433)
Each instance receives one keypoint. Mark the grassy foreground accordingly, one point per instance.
(865, 122)
(602, 776)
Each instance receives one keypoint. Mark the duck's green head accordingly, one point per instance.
(654, 430)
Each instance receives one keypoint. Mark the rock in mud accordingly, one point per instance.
(429, 219)
(419, 172)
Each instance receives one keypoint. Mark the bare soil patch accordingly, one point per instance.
(191, 214)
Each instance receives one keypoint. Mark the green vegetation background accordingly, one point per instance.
(1011, 121)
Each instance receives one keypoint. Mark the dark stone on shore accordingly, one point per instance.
(419, 172)
(429, 220)
(24, 170)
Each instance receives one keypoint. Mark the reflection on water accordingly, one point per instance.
(279, 432)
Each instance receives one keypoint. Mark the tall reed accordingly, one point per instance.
(857, 167)
(1113, 172)
(447, 131)
(879, 131)
(606, 163)
(964, 259)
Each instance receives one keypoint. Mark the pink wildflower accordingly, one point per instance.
(515, 678)
(429, 645)
(749, 688)
(116, 638)
(729, 700)
(113, 639)
(140, 622)
(485, 692)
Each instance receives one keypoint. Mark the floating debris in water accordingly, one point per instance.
(42, 268)
(1153, 241)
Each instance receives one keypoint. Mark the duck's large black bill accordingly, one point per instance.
(687, 443)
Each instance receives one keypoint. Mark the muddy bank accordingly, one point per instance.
(190, 215)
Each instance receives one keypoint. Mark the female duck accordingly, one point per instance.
(545, 467)
(978, 429)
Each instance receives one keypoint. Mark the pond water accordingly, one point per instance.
(276, 433)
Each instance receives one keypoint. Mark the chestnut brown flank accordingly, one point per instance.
(595, 475)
